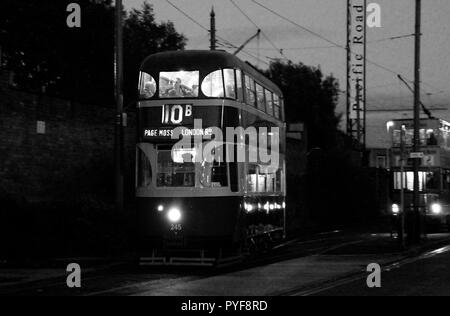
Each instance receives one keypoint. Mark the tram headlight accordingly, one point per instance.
(160, 208)
(174, 215)
(395, 209)
(436, 208)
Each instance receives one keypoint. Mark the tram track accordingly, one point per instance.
(410, 257)
(270, 258)
(126, 279)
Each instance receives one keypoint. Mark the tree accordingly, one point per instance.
(333, 170)
(78, 63)
(309, 98)
(143, 37)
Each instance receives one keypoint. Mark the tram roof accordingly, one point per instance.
(204, 60)
(423, 119)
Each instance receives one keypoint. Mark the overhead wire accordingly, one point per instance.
(209, 31)
(369, 61)
(280, 51)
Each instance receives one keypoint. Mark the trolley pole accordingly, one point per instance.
(213, 30)
(415, 231)
(119, 140)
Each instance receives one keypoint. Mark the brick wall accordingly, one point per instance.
(45, 141)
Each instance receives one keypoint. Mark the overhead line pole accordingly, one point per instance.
(119, 119)
(416, 218)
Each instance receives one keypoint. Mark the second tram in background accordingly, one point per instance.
(434, 172)
(196, 212)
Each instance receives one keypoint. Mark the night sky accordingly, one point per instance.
(328, 18)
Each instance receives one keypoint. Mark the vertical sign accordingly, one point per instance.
(356, 69)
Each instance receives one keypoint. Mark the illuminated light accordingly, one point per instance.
(160, 208)
(436, 209)
(174, 215)
(259, 206)
(284, 204)
(278, 206)
(272, 207)
(266, 207)
(248, 207)
(395, 209)
(390, 125)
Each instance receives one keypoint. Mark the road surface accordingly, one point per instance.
(428, 275)
(331, 264)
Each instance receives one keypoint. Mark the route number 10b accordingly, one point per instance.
(176, 114)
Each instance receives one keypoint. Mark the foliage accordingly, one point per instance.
(78, 64)
(310, 98)
(337, 189)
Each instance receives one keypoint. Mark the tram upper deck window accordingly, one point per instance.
(230, 83)
(212, 85)
(147, 86)
(269, 102)
(240, 91)
(250, 92)
(427, 138)
(177, 171)
(261, 102)
(179, 84)
(277, 106)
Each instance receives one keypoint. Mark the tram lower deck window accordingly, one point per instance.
(174, 174)
(144, 173)
(213, 175)
(219, 174)
(427, 180)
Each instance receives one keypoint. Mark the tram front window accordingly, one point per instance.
(175, 174)
(179, 84)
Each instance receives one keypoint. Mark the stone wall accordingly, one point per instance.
(45, 142)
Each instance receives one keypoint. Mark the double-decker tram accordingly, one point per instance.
(221, 192)
(434, 172)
